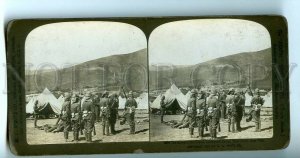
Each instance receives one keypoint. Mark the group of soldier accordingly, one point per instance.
(208, 108)
(80, 113)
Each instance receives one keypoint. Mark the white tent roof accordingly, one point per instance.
(142, 101)
(172, 94)
(43, 99)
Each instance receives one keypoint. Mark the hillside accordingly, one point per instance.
(107, 73)
(221, 71)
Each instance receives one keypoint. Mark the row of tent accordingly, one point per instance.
(49, 104)
(175, 99)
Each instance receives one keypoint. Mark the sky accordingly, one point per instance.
(190, 42)
(67, 43)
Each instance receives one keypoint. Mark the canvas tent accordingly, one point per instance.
(142, 101)
(174, 100)
(47, 103)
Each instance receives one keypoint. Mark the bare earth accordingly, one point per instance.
(163, 132)
(36, 136)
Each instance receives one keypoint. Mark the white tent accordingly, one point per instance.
(61, 100)
(122, 102)
(47, 103)
(267, 98)
(142, 101)
(173, 97)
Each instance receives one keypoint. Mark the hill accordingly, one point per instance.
(129, 70)
(233, 71)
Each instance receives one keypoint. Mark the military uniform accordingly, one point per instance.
(105, 113)
(114, 104)
(256, 104)
(97, 108)
(231, 113)
(222, 100)
(35, 113)
(66, 116)
(75, 116)
(130, 106)
(201, 116)
(162, 109)
(239, 102)
(213, 115)
(88, 113)
(191, 111)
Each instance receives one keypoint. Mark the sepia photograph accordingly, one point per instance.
(210, 79)
(86, 82)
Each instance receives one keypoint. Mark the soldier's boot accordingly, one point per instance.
(259, 126)
(107, 130)
(103, 130)
(35, 123)
(215, 134)
(238, 126)
(200, 131)
(86, 136)
(66, 136)
(256, 127)
(90, 137)
(229, 127)
(192, 132)
(212, 134)
(77, 137)
(112, 129)
(233, 127)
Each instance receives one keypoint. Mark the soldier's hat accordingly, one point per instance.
(130, 93)
(75, 95)
(163, 97)
(67, 95)
(194, 91)
(87, 94)
(257, 91)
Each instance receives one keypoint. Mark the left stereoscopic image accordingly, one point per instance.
(86, 82)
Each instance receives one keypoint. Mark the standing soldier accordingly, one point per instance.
(114, 106)
(88, 112)
(97, 107)
(239, 102)
(162, 109)
(201, 114)
(213, 114)
(66, 115)
(105, 113)
(256, 104)
(222, 100)
(231, 110)
(130, 106)
(191, 111)
(35, 113)
(75, 116)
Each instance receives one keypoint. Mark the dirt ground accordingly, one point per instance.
(163, 132)
(37, 136)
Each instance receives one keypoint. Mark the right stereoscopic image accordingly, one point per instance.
(210, 79)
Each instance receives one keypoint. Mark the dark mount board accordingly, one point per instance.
(17, 31)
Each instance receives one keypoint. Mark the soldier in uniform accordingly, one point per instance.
(97, 107)
(231, 110)
(130, 106)
(114, 106)
(201, 114)
(191, 111)
(75, 116)
(105, 113)
(222, 100)
(88, 113)
(213, 114)
(239, 101)
(162, 109)
(35, 113)
(66, 115)
(256, 104)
